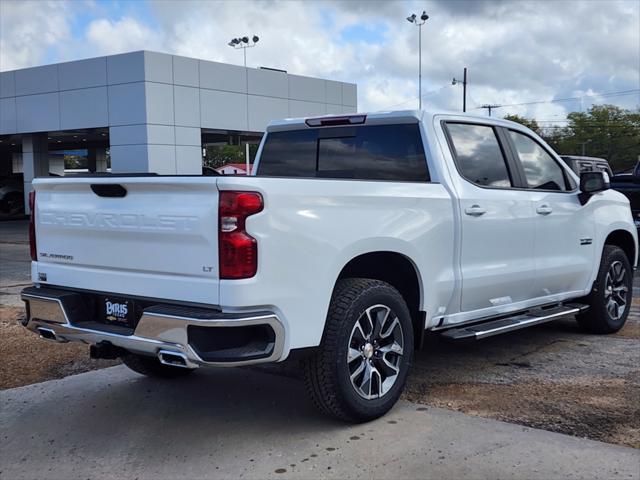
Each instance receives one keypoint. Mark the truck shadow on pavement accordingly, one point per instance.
(228, 418)
(203, 402)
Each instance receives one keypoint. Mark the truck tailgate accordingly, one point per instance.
(159, 240)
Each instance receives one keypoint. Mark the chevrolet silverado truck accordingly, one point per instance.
(353, 237)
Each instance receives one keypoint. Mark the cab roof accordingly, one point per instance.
(378, 118)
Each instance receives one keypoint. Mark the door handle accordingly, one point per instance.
(475, 210)
(544, 209)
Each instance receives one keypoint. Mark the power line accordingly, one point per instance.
(587, 122)
(568, 99)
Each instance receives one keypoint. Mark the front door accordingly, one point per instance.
(564, 229)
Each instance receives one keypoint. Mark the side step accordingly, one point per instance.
(490, 328)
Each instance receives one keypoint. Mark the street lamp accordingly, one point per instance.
(418, 22)
(464, 89)
(244, 43)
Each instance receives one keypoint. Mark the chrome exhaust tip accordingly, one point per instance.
(47, 334)
(174, 359)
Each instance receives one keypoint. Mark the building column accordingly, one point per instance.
(161, 149)
(35, 161)
(56, 165)
(188, 151)
(97, 159)
(101, 160)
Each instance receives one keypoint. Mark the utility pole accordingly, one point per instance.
(490, 107)
(464, 89)
(413, 18)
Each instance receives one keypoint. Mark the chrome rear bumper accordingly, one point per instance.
(161, 330)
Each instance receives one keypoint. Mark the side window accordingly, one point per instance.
(540, 169)
(478, 155)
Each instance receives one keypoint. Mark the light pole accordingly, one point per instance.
(464, 89)
(244, 43)
(418, 23)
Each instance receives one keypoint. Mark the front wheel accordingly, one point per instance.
(362, 363)
(610, 299)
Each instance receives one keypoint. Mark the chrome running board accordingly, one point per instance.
(489, 328)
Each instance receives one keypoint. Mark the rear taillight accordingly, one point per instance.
(32, 225)
(238, 251)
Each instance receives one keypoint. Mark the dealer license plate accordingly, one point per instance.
(118, 310)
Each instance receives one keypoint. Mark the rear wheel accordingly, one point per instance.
(610, 300)
(362, 363)
(151, 366)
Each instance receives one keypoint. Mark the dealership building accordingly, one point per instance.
(145, 112)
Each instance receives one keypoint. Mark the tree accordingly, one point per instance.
(530, 123)
(219, 155)
(604, 131)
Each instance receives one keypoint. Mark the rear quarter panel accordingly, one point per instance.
(311, 228)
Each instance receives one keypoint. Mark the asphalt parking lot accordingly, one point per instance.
(235, 423)
(112, 423)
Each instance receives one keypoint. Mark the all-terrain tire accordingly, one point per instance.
(151, 367)
(613, 283)
(328, 372)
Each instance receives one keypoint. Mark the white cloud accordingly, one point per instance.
(291, 34)
(126, 34)
(28, 29)
(517, 51)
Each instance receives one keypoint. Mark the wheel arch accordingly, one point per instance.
(625, 240)
(397, 270)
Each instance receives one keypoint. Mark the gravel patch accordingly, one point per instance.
(26, 359)
(553, 377)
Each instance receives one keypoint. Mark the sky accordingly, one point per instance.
(517, 51)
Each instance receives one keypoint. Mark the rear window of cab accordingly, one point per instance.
(368, 152)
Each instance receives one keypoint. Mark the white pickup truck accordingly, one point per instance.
(353, 237)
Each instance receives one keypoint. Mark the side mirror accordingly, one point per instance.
(592, 183)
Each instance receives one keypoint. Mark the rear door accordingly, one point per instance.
(139, 236)
(496, 258)
(564, 228)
